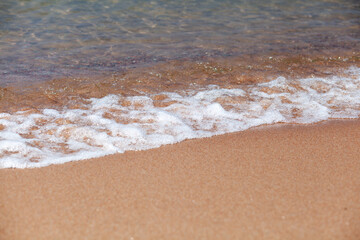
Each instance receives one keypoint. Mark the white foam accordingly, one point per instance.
(107, 125)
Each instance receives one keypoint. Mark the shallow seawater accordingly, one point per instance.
(43, 39)
(82, 78)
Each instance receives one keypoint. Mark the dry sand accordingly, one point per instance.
(288, 182)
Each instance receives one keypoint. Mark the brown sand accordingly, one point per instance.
(289, 182)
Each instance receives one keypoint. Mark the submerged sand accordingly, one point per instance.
(72, 92)
(276, 182)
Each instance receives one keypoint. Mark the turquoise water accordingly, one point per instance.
(42, 39)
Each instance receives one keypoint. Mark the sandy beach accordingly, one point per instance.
(198, 119)
(273, 182)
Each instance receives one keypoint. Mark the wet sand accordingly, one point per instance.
(276, 182)
(172, 76)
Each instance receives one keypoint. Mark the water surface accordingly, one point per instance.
(43, 39)
(82, 79)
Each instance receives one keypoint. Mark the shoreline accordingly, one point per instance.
(116, 123)
(270, 182)
(177, 76)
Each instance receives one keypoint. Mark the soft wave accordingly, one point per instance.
(115, 124)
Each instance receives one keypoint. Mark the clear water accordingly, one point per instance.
(42, 39)
(86, 78)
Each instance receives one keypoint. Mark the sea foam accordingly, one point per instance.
(114, 124)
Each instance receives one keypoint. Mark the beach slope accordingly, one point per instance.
(274, 182)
